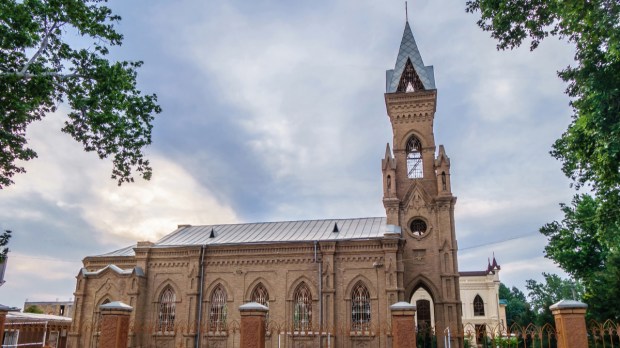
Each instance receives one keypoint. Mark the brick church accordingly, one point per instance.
(327, 283)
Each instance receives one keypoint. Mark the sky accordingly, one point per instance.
(274, 110)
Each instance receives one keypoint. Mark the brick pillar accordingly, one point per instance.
(570, 323)
(114, 325)
(403, 325)
(253, 325)
(3, 311)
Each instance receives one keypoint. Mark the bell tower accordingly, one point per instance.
(417, 192)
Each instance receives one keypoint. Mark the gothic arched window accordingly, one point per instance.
(167, 307)
(414, 158)
(360, 308)
(302, 308)
(218, 310)
(478, 306)
(423, 308)
(260, 295)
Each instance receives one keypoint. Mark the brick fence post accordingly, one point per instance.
(570, 323)
(253, 325)
(3, 311)
(114, 325)
(403, 325)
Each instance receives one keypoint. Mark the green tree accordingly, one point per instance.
(41, 66)
(581, 246)
(33, 309)
(4, 241)
(590, 148)
(552, 290)
(518, 310)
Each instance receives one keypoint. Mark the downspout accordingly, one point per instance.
(203, 251)
(316, 260)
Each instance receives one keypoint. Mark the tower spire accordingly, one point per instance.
(406, 13)
(409, 65)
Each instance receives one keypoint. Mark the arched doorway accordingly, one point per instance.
(424, 316)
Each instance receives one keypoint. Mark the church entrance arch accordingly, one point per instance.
(424, 316)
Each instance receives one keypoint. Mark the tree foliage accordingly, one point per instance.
(586, 247)
(586, 242)
(33, 309)
(552, 290)
(41, 66)
(518, 310)
(4, 241)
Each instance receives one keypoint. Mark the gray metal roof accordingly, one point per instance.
(271, 232)
(409, 50)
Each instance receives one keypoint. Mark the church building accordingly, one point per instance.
(327, 283)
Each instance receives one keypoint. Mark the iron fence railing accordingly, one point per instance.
(600, 335)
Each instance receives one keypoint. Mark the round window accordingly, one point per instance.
(418, 227)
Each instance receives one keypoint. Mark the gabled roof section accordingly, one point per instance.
(409, 51)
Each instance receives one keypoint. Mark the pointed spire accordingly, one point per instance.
(442, 157)
(388, 160)
(409, 52)
(336, 229)
(495, 265)
(212, 235)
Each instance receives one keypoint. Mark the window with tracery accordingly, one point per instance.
(260, 295)
(414, 158)
(167, 307)
(478, 306)
(360, 308)
(218, 310)
(302, 308)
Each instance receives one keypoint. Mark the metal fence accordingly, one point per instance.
(603, 335)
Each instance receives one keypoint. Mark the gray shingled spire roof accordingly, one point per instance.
(409, 50)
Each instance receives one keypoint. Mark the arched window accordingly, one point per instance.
(302, 308)
(167, 307)
(360, 308)
(260, 295)
(414, 158)
(478, 306)
(218, 310)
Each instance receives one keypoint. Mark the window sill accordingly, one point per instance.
(217, 334)
(362, 334)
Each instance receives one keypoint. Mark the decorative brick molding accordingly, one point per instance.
(570, 323)
(253, 325)
(403, 325)
(114, 325)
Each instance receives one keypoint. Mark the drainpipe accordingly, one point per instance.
(203, 251)
(316, 260)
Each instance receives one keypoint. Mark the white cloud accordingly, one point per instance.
(79, 182)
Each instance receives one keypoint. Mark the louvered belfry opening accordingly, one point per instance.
(360, 308)
(409, 80)
(218, 310)
(302, 312)
(167, 308)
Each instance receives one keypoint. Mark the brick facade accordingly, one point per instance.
(209, 282)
